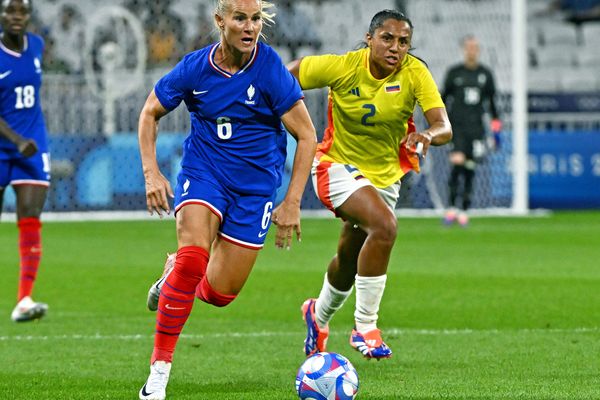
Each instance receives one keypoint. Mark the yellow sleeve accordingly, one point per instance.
(321, 71)
(426, 91)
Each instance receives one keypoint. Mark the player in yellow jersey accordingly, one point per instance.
(372, 95)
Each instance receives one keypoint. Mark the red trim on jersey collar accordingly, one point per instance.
(226, 74)
(16, 53)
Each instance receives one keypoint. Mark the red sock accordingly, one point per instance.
(207, 294)
(30, 250)
(176, 300)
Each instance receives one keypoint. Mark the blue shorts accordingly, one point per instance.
(245, 219)
(34, 170)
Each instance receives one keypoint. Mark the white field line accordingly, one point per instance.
(394, 331)
(141, 215)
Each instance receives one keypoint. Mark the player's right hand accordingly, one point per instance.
(27, 147)
(157, 190)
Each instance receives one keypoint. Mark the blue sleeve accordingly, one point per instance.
(171, 88)
(284, 90)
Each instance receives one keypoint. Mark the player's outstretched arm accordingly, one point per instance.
(27, 147)
(157, 186)
(287, 215)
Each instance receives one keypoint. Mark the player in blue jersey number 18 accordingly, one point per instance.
(24, 157)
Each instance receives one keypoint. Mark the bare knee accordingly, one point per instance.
(457, 158)
(385, 230)
(29, 209)
(30, 200)
(186, 237)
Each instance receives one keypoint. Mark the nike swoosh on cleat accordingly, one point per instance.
(161, 280)
(144, 393)
(196, 92)
(5, 74)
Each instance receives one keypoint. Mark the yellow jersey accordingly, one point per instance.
(368, 118)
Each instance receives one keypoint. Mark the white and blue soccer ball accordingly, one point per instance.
(327, 376)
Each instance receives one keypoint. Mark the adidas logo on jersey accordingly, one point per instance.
(355, 91)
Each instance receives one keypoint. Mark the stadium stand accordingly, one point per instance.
(564, 58)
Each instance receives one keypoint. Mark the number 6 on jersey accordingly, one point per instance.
(224, 130)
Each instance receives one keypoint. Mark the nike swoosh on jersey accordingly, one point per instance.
(197, 92)
(5, 74)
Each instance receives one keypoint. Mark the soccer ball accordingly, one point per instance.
(327, 376)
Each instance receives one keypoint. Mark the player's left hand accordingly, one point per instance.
(419, 142)
(287, 219)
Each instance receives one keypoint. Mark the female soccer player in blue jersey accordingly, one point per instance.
(24, 157)
(238, 93)
(357, 170)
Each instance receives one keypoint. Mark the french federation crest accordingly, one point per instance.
(38, 65)
(250, 93)
(186, 186)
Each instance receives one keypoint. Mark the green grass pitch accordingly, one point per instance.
(508, 308)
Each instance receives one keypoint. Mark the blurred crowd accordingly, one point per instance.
(168, 34)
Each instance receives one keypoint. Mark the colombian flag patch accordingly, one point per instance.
(392, 87)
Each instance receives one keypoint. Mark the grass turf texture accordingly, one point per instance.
(505, 309)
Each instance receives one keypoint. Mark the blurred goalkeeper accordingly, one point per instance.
(369, 145)
(24, 157)
(469, 91)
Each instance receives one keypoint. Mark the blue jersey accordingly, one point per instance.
(236, 130)
(20, 82)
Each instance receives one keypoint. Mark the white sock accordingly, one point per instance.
(330, 300)
(369, 291)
